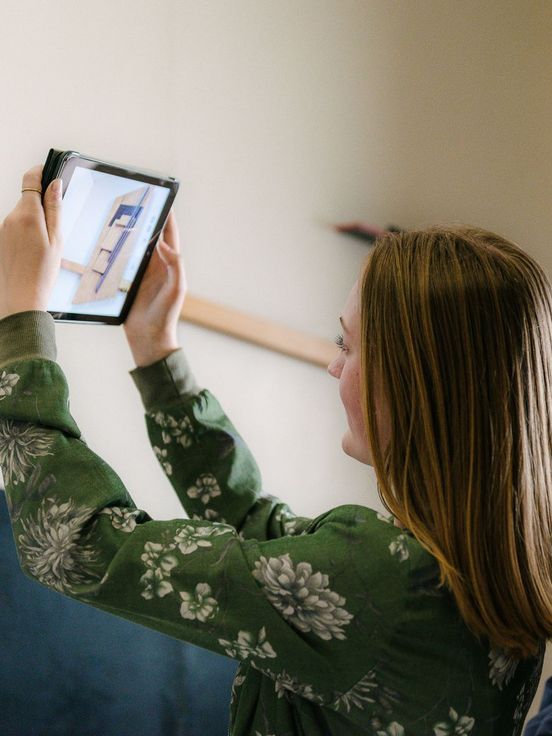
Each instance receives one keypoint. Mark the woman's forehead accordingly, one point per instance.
(349, 314)
(351, 304)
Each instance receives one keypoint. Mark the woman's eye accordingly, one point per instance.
(339, 342)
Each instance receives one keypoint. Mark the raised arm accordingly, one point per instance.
(188, 429)
(204, 457)
(282, 605)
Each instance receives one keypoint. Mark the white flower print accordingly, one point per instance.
(210, 515)
(239, 679)
(502, 667)
(246, 645)
(20, 443)
(122, 519)
(456, 726)
(520, 702)
(290, 527)
(289, 521)
(155, 584)
(200, 606)
(159, 563)
(368, 690)
(188, 538)
(7, 382)
(393, 729)
(302, 596)
(158, 417)
(205, 489)
(387, 519)
(52, 548)
(179, 429)
(37, 487)
(399, 547)
(161, 455)
(285, 683)
(362, 692)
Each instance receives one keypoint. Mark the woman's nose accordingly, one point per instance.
(333, 368)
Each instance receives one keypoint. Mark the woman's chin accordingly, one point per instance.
(345, 441)
(349, 448)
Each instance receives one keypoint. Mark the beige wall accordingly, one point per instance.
(279, 117)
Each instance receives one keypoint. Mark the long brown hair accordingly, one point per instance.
(456, 334)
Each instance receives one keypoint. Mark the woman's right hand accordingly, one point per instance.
(151, 325)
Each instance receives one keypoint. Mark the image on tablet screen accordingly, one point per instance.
(107, 223)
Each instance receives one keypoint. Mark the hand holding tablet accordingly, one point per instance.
(151, 326)
(112, 216)
(30, 248)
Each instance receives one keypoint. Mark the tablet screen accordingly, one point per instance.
(107, 224)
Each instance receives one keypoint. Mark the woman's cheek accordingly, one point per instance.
(354, 442)
(349, 389)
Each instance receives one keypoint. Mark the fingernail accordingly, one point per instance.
(56, 188)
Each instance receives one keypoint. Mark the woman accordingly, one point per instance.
(343, 624)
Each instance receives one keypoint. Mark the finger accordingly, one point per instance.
(177, 277)
(161, 252)
(32, 179)
(173, 261)
(170, 233)
(52, 210)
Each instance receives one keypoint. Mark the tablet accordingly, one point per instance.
(112, 216)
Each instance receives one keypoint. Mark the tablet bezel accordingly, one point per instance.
(64, 170)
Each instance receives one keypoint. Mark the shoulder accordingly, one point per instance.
(361, 521)
(353, 514)
(353, 545)
(385, 552)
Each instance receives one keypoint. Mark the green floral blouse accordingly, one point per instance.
(338, 622)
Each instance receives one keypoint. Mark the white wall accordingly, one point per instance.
(279, 116)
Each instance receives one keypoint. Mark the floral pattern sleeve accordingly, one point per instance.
(191, 436)
(339, 623)
(276, 604)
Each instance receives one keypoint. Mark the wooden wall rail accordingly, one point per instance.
(258, 331)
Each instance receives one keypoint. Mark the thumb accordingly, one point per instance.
(52, 210)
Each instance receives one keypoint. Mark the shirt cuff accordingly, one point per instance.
(165, 380)
(27, 335)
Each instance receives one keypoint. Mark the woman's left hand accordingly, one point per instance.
(30, 248)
